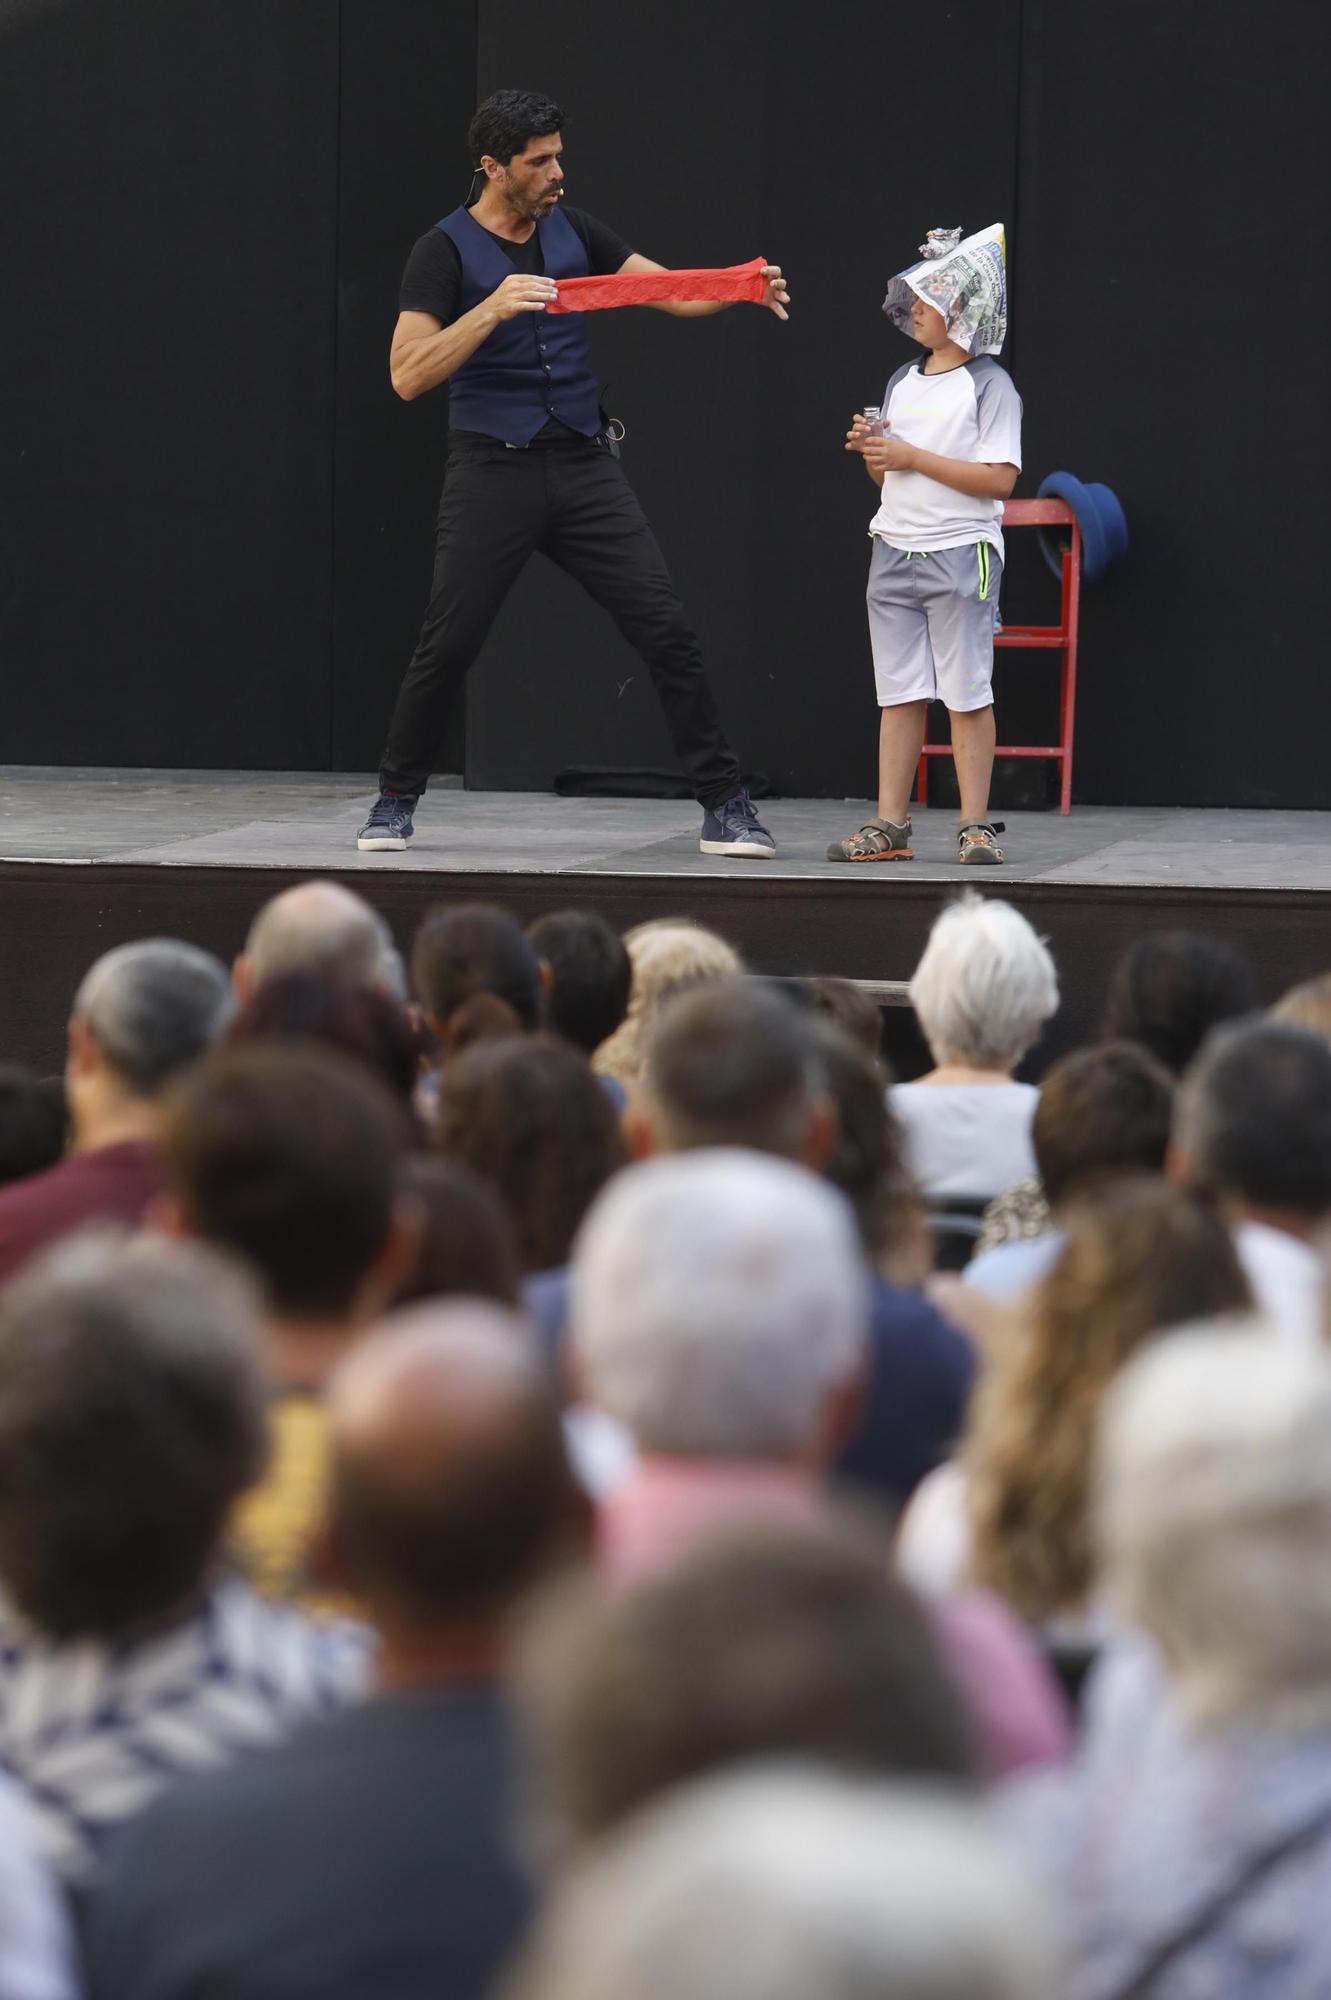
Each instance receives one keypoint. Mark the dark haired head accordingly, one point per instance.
(131, 1419)
(1170, 988)
(467, 1247)
(476, 975)
(760, 1642)
(1254, 1118)
(33, 1122)
(866, 1159)
(590, 975)
(506, 121)
(529, 1117)
(287, 1157)
(855, 1011)
(361, 1022)
(732, 1065)
(1102, 1110)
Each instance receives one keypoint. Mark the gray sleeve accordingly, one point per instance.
(998, 413)
(893, 380)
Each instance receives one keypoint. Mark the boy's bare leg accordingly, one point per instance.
(973, 753)
(900, 740)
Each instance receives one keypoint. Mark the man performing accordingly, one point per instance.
(530, 465)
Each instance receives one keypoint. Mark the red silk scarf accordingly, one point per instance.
(649, 288)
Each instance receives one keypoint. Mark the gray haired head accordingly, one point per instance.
(152, 1008)
(786, 1881)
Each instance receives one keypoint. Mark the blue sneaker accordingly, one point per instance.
(735, 828)
(389, 824)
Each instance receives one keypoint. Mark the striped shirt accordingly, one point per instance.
(92, 1730)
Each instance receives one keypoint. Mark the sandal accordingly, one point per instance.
(877, 840)
(977, 842)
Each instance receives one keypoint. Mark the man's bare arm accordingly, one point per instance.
(425, 352)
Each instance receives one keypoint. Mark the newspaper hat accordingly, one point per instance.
(965, 279)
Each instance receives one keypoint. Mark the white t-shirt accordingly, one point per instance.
(972, 412)
(966, 1138)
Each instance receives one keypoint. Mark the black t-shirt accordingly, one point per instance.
(371, 1854)
(432, 281)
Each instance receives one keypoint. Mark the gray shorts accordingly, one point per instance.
(931, 624)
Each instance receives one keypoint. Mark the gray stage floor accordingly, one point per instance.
(247, 819)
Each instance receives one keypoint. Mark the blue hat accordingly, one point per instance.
(1103, 524)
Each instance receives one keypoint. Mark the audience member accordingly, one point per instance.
(668, 957)
(1170, 988)
(34, 1122)
(373, 1854)
(1253, 1129)
(288, 1158)
(847, 1005)
(142, 1014)
(1102, 1112)
(982, 991)
(1189, 1845)
(37, 1957)
(759, 1643)
(1011, 1513)
(362, 1022)
(1307, 1006)
(589, 976)
(323, 930)
(467, 1247)
(131, 1418)
(788, 1883)
(476, 976)
(736, 1065)
(719, 1314)
(528, 1116)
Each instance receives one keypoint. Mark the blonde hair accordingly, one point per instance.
(668, 956)
(1307, 1006)
(1140, 1256)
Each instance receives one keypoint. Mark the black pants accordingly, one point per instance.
(573, 503)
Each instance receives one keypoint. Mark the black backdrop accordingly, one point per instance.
(217, 518)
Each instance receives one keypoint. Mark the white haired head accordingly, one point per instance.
(321, 928)
(785, 1881)
(985, 984)
(718, 1300)
(1214, 1515)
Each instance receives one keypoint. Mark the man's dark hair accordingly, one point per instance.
(34, 1122)
(590, 975)
(288, 1158)
(759, 1643)
(131, 1419)
(505, 122)
(733, 1064)
(866, 1162)
(475, 960)
(1103, 1110)
(374, 1030)
(529, 1117)
(1254, 1117)
(1170, 988)
(467, 1247)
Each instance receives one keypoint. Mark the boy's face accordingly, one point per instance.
(928, 326)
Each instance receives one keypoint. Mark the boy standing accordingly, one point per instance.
(948, 458)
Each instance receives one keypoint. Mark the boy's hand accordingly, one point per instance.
(881, 454)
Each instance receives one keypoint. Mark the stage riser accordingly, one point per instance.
(54, 920)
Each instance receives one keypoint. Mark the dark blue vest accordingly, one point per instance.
(534, 366)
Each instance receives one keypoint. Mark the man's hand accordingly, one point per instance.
(522, 293)
(775, 296)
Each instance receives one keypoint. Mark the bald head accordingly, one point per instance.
(319, 928)
(451, 1489)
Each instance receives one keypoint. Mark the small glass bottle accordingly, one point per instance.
(873, 419)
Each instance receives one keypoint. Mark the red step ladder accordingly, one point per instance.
(1060, 638)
